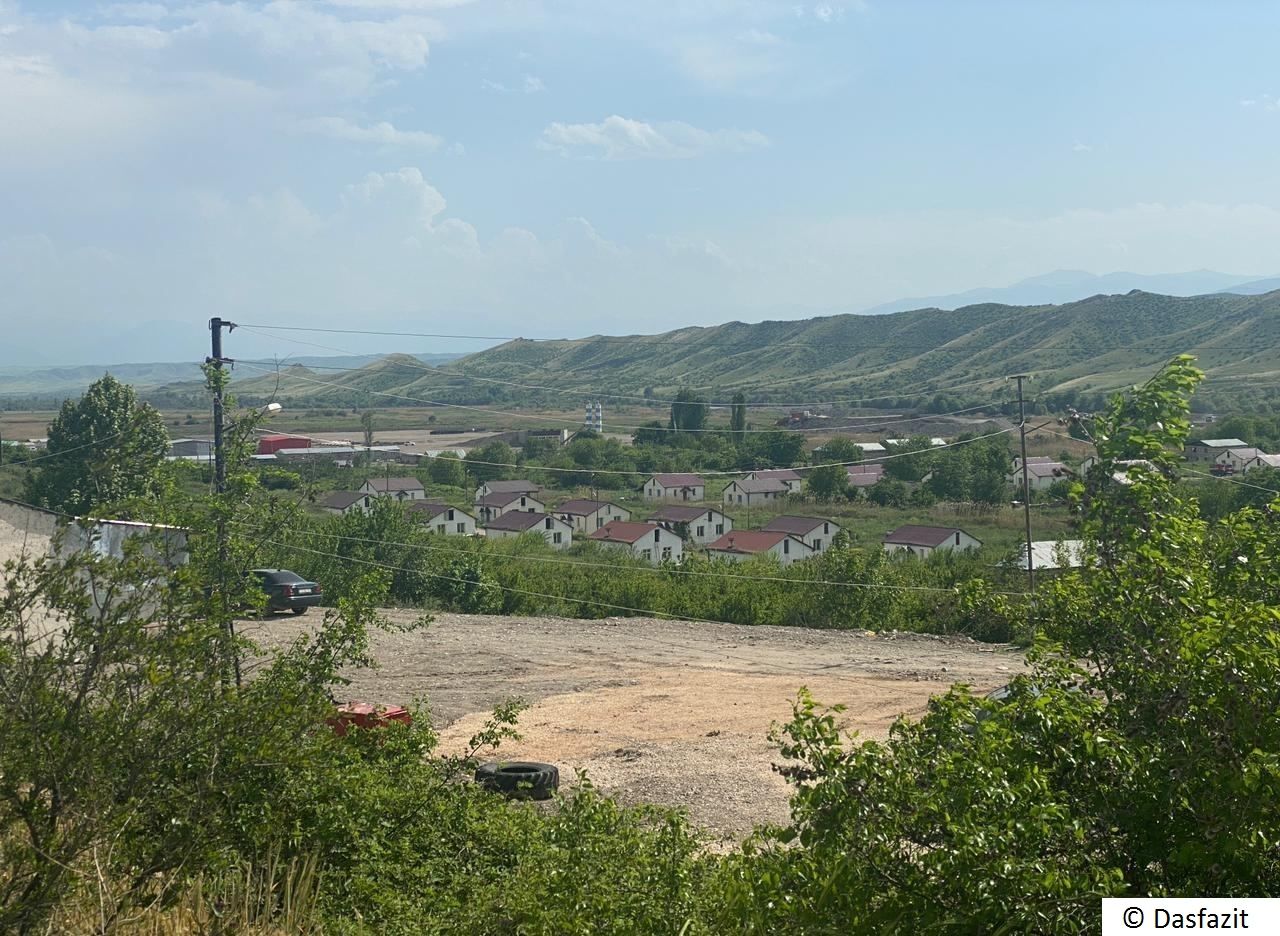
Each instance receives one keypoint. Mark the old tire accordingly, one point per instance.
(298, 610)
(519, 779)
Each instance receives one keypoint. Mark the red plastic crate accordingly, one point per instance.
(367, 715)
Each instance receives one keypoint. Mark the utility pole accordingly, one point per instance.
(220, 480)
(1026, 484)
(215, 358)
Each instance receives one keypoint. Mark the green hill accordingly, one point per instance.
(1076, 350)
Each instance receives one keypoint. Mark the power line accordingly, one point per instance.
(579, 391)
(77, 448)
(650, 569)
(576, 423)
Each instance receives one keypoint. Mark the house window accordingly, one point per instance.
(739, 498)
(462, 528)
(720, 529)
(817, 545)
(826, 528)
(957, 537)
(709, 517)
(666, 553)
(702, 531)
(786, 547)
(657, 535)
(547, 523)
(646, 554)
(440, 528)
(450, 516)
(522, 502)
(557, 537)
(599, 522)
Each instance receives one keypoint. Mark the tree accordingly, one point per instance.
(738, 416)
(366, 425)
(1136, 757)
(688, 412)
(828, 482)
(447, 469)
(104, 448)
(888, 492)
(841, 449)
(491, 461)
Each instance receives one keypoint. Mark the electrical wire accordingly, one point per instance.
(580, 392)
(576, 422)
(552, 560)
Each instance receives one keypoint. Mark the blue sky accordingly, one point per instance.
(567, 168)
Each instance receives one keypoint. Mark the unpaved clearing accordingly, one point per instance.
(660, 711)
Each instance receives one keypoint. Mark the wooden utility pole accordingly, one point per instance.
(1026, 484)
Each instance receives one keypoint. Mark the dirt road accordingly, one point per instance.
(660, 711)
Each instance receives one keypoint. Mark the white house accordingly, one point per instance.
(743, 544)
(506, 487)
(1235, 460)
(700, 525)
(748, 493)
(678, 487)
(1263, 460)
(925, 540)
(492, 506)
(444, 519)
(815, 533)
(788, 476)
(1052, 554)
(557, 533)
(586, 516)
(346, 502)
(1040, 474)
(402, 489)
(1206, 450)
(646, 541)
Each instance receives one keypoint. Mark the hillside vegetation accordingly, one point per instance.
(1075, 351)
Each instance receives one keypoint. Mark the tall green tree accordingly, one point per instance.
(447, 469)
(688, 411)
(367, 419)
(491, 462)
(828, 482)
(104, 448)
(738, 416)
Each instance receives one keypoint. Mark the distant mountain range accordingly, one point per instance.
(52, 381)
(1078, 349)
(1071, 285)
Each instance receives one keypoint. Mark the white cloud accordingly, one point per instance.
(1262, 102)
(146, 12)
(533, 84)
(1081, 147)
(406, 5)
(530, 85)
(621, 138)
(380, 134)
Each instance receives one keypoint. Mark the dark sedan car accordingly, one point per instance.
(287, 591)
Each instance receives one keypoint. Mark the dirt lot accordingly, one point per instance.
(660, 711)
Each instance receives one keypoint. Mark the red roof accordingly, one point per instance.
(676, 513)
(913, 535)
(679, 480)
(582, 508)
(622, 531)
(748, 541)
(521, 521)
(777, 474)
(797, 526)
(759, 486)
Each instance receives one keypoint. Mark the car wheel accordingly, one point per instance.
(519, 779)
(298, 610)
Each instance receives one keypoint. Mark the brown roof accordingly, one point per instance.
(680, 514)
(521, 521)
(865, 469)
(777, 474)
(386, 485)
(519, 486)
(341, 500)
(623, 531)
(434, 508)
(797, 526)
(581, 508)
(912, 535)
(679, 480)
(501, 499)
(748, 541)
(764, 486)
(1046, 469)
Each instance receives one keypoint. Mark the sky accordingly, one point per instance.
(570, 167)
